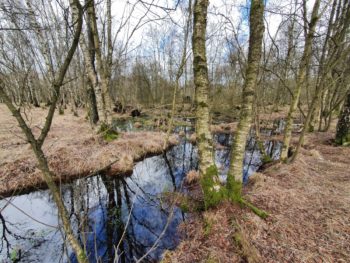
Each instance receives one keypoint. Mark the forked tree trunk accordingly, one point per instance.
(301, 77)
(235, 174)
(101, 68)
(92, 80)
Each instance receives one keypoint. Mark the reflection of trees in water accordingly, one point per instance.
(5, 243)
(9, 241)
(115, 204)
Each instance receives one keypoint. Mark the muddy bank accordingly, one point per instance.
(73, 150)
(308, 202)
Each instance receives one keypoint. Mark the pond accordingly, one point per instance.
(125, 217)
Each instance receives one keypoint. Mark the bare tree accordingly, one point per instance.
(57, 78)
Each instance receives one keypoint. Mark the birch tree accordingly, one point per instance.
(235, 173)
(207, 168)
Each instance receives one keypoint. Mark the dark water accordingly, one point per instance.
(104, 209)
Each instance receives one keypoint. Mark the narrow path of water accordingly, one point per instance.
(104, 209)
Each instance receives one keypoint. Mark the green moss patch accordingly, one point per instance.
(108, 133)
(214, 193)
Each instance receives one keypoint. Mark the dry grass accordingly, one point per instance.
(308, 203)
(213, 236)
(224, 127)
(192, 177)
(72, 148)
(193, 138)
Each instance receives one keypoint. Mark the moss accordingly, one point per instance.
(211, 260)
(184, 205)
(208, 225)
(266, 159)
(257, 211)
(343, 141)
(61, 111)
(108, 133)
(234, 189)
(202, 104)
(202, 137)
(15, 255)
(213, 192)
(237, 237)
(82, 257)
(198, 207)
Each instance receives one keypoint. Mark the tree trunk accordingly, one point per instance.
(207, 168)
(202, 86)
(235, 174)
(100, 67)
(92, 81)
(92, 103)
(303, 69)
(342, 136)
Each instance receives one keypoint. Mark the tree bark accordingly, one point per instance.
(342, 136)
(211, 188)
(201, 82)
(100, 66)
(235, 177)
(92, 80)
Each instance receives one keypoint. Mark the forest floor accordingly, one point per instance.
(72, 147)
(308, 203)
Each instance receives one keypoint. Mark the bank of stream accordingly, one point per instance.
(115, 215)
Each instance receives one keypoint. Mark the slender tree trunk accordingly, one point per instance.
(303, 69)
(37, 144)
(315, 111)
(207, 168)
(92, 103)
(235, 174)
(201, 82)
(100, 66)
(342, 136)
(92, 81)
(179, 73)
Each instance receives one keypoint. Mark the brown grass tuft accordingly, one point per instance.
(192, 177)
(193, 138)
